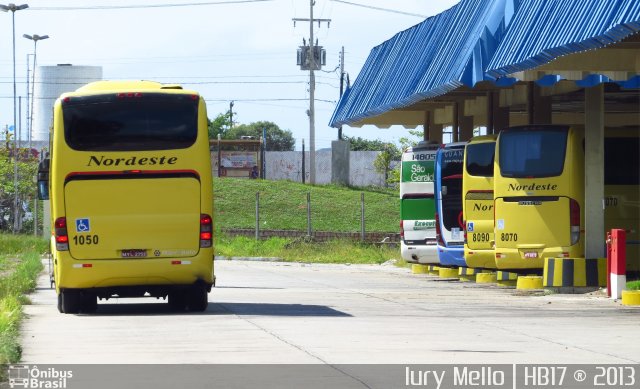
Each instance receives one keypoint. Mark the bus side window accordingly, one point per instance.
(43, 179)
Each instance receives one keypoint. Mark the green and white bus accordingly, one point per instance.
(417, 204)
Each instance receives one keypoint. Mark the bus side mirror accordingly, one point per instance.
(43, 179)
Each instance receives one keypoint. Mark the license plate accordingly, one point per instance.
(531, 255)
(134, 253)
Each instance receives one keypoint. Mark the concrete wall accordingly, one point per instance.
(287, 165)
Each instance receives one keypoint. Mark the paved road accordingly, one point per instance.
(335, 314)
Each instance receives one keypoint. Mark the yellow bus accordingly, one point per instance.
(477, 207)
(539, 193)
(131, 195)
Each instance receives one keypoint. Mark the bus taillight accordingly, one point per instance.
(401, 229)
(206, 231)
(574, 218)
(62, 238)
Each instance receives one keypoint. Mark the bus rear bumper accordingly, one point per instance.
(484, 259)
(424, 254)
(451, 256)
(513, 259)
(132, 273)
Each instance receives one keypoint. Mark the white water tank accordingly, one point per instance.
(51, 82)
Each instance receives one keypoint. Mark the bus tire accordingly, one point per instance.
(198, 299)
(177, 301)
(60, 303)
(89, 303)
(71, 301)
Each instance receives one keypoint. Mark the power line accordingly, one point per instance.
(381, 9)
(270, 99)
(139, 6)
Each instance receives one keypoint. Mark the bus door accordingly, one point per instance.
(450, 162)
(449, 205)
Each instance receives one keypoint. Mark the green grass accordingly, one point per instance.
(20, 265)
(296, 250)
(283, 206)
(633, 285)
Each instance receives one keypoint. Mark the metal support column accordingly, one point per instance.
(594, 172)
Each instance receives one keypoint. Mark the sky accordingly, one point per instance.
(242, 51)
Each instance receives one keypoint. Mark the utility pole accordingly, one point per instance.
(341, 85)
(312, 86)
(231, 114)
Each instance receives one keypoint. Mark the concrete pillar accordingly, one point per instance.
(466, 128)
(434, 130)
(455, 128)
(595, 246)
(426, 125)
(539, 107)
(340, 150)
(499, 115)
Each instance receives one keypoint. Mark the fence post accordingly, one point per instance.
(362, 229)
(309, 230)
(257, 215)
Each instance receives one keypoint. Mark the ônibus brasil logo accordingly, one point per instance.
(25, 376)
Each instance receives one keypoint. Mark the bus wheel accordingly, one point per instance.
(89, 303)
(198, 299)
(177, 300)
(71, 301)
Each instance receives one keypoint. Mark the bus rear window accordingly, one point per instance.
(147, 121)
(622, 161)
(480, 159)
(533, 153)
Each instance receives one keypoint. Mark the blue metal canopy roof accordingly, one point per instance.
(429, 59)
(543, 30)
(480, 40)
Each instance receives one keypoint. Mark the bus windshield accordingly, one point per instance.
(480, 159)
(140, 121)
(533, 153)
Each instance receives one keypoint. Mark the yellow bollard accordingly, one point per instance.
(446, 272)
(486, 278)
(631, 297)
(529, 282)
(417, 268)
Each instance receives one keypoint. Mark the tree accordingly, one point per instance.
(27, 167)
(220, 125)
(385, 160)
(277, 139)
(359, 144)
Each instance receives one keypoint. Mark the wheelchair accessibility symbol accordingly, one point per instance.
(82, 225)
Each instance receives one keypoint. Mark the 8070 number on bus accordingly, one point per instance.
(509, 237)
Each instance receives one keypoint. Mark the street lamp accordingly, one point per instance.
(13, 8)
(35, 38)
